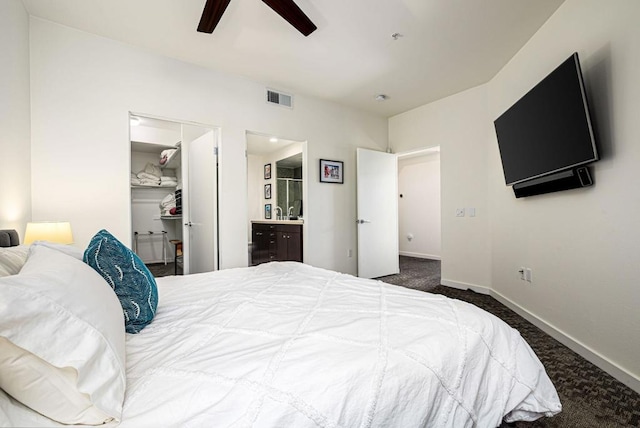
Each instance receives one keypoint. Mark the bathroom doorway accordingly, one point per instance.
(277, 185)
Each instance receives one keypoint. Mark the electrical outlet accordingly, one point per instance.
(528, 275)
(349, 253)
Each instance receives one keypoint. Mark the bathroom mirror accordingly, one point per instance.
(282, 189)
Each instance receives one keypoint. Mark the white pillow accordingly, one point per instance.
(70, 250)
(47, 389)
(12, 259)
(61, 310)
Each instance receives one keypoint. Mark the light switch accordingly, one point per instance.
(471, 211)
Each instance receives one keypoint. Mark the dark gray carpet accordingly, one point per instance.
(160, 269)
(419, 274)
(589, 396)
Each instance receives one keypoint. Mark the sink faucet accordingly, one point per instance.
(290, 213)
(278, 216)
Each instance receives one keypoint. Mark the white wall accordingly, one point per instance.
(15, 133)
(459, 125)
(83, 87)
(255, 189)
(583, 245)
(419, 206)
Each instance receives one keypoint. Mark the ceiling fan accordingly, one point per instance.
(287, 9)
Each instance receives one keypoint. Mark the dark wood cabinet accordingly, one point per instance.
(289, 242)
(276, 242)
(263, 237)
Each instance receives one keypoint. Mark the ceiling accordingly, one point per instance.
(444, 47)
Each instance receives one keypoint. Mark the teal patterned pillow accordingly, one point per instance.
(127, 275)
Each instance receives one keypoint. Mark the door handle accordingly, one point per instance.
(188, 224)
(361, 221)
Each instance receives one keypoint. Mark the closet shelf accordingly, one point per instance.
(170, 217)
(152, 186)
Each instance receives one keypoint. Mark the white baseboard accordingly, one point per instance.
(576, 346)
(419, 255)
(465, 286)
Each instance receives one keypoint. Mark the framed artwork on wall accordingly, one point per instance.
(331, 171)
(267, 191)
(267, 171)
(267, 211)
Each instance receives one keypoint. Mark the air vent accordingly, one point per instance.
(279, 98)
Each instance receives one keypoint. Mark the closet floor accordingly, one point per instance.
(160, 269)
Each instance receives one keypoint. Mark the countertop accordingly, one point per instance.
(299, 221)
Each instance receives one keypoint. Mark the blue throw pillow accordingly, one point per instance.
(123, 270)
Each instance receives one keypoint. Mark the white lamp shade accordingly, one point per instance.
(58, 232)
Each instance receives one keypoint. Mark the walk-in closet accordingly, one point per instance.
(174, 195)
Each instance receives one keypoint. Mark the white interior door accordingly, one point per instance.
(199, 199)
(377, 206)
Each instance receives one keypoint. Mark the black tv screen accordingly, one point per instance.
(548, 129)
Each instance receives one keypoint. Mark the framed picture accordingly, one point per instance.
(267, 171)
(267, 191)
(331, 171)
(267, 211)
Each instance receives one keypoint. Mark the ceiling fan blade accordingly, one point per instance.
(292, 14)
(211, 15)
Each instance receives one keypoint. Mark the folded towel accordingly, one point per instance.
(167, 178)
(168, 184)
(168, 201)
(152, 169)
(167, 153)
(148, 183)
(147, 176)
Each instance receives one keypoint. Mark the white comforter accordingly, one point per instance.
(288, 345)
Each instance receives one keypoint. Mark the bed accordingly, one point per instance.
(286, 344)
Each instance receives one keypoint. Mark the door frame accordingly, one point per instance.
(422, 151)
(305, 184)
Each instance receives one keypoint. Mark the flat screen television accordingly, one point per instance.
(549, 129)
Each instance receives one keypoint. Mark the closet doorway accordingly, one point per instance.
(174, 194)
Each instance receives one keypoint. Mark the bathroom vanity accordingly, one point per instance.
(276, 240)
